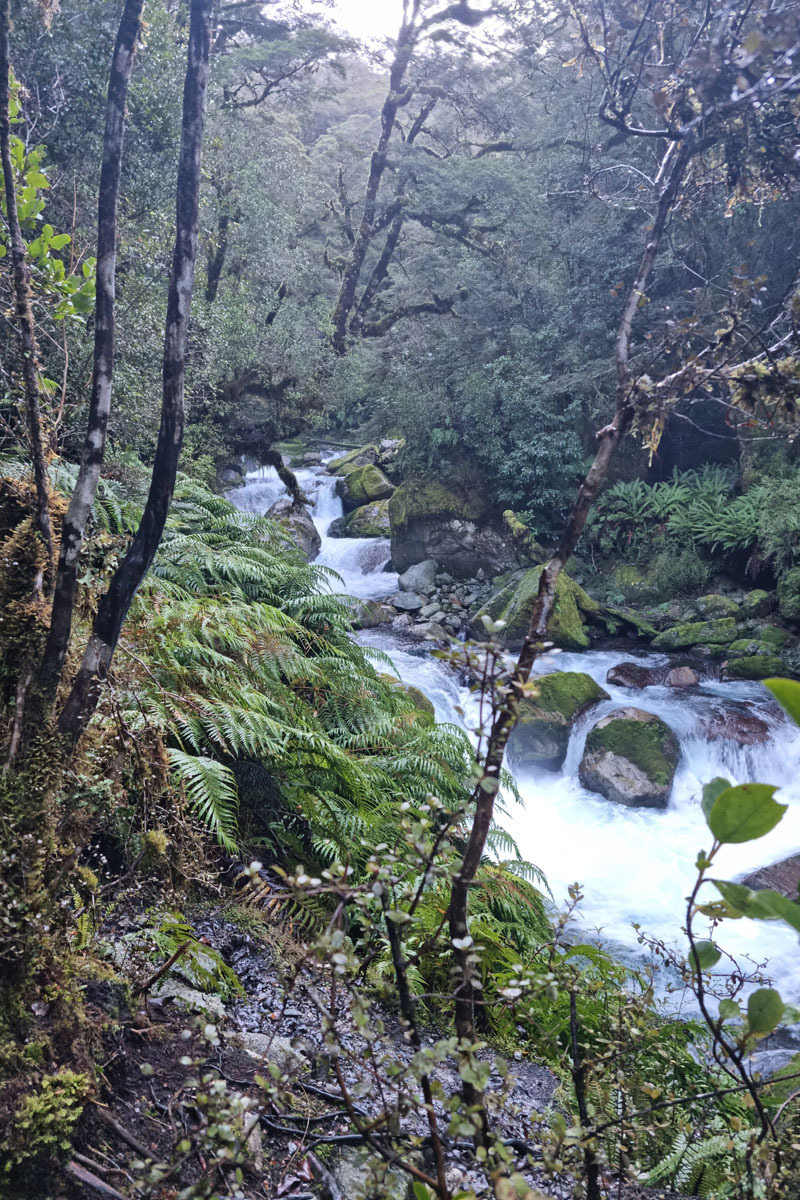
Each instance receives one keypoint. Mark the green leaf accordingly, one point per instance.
(763, 905)
(741, 814)
(764, 1010)
(705, 956)
(729, 1010)
(59, 241)
(787, 693)
(421, 1191)
(710, 793)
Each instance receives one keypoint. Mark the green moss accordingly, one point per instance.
(418, 499)
(293, 451)
(366, 484)
(629, 616)
(757, 603)
(363, 456)
(649, 745)
(567, 692)
(371, 520)
(716, 633)
(758, 666)
(789, 595)
(716, 605)
(744, 647)
(44, 1121)
(773, 636)
(421, 703)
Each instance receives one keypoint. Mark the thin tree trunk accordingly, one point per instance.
(116, 602)
(674, 167)
(80, 505)
(22, 295)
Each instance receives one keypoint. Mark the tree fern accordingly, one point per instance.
(210, 788)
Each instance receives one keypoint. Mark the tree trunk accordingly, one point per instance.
(24, 310)
(116, 602)
(671, 175)
(80, 505)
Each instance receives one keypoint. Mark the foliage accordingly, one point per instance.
(45, 1119)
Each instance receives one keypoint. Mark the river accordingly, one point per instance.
(633, 865)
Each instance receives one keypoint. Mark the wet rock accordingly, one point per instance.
(338, 528)
(783, 877)
(368, 521)
(362, 457)
(758, 666)
(718, 632)
(541, 736)
(717, 605)
(363, 485)
(450, 525)
(734, 723)
(402, 623)
(630, 757)
(631, 675)
(372, 613)
(296, 521)
(514, 604)
(407, 602)
(680, 677)
(421, 577)
(312, 458)
(757, 603)
(428, 631)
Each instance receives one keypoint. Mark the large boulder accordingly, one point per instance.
(680, 677)
(757, 666)
(419, 578)
(450, 525)
(719, 632)
(632, 675)
(363, 457)
(717, 605)
(371, 520)
(363, 485)
(757, 603)
(296, 520)
(630, 757)
(541, 736)
(514, 604)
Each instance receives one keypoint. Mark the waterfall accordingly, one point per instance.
(633, 864)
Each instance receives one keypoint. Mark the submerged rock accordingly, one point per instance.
(631, 757)
(541, 736)
(631, 675)
(297, 522)
(734, 723)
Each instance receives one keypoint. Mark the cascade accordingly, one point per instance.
(632, 864)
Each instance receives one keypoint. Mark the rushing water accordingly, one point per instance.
(633, 864)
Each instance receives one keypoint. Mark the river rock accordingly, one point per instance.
(229, 477)
(631, 675)
(338, 528)
(450, 525)
(541, 736)
(419, 578)
(296, 520)
(734, 723)
(368, 521)
(757, 666)
(363, 485)
(362, 457)
(757, 603)
(719, 632)
(631, 757)
(428, 631)
(514, 603)
(717, 605)
(407, 602)
(312, 458)
(372, 613)
(783, 877)
(680, 677)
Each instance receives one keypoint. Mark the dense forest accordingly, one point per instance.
(400, 600)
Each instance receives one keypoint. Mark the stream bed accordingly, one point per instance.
(633, 865)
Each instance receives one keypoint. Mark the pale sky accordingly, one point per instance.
(369, 18)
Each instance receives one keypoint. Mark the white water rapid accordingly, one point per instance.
(633, 864)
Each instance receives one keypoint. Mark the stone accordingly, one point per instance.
(407, 602)
(783, 877)
(428, 611)
(789, 595)
(312, 458)
(402, 623)
(371, 613)
(338, 528)
(680, 677)
(758, 666)
(421, 577)
(362, 457)
(229, 477)
(368, 521)
(772, 635)
(718, 632)
(451, 525)
(744, 647)
(514, 603)
(542, 733)
(757, 603)
(717, 605)
(296, 520)
(631, 675)
(268, 1048)
(734, 723)
(363, 485)
(629, 616)
(630, 757)
(428, 631)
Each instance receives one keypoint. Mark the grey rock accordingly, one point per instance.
(407, 602)
(631, 675)
(429, 609)
(268, 1048)
(630, 757)
(296, 520)
(402, 623)
(680, 677)
(419, 578)
(428, 631)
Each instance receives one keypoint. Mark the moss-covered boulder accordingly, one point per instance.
(757, 603)
(631, 582)
(541, 736)
(296, 520)
(451, 525)
(514, 603)
(746, 647)
(757, 666)
(630, 757)
(717, 605)
(371, 520)
(789, 595)
(363, 485)
(718, 632)
(364, 456)
(773, 635)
